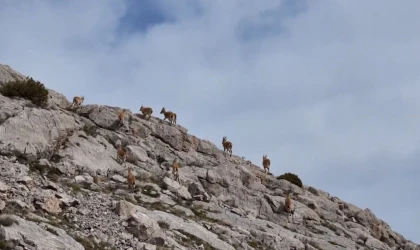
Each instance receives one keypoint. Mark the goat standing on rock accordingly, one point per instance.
(121, 117)
(227, 145)
(131, 179)
(171, 116)
(77, 101)
(146, 111)
(288, 205)
(121, 153)
(175, 169)
(266, 164)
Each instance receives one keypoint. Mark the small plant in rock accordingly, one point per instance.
(56, 158)
(254, 244)
(163, 224)
(8, 221)
(201, 215)
(51, 230)
(13, 208)
(190, 240)
(150, 191)
(76, 188)
(92, 245)
(158, 206)
(90, 130)
(29, 89)
(7, 245)
(291, 178)
(160, 159)
(37, 166)
(20, 157)
(51, 172)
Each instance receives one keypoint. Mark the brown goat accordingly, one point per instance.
(227, 145)
(121, 153)
(288, 204)
(131, 179)
(171, 116)
(77, 101)
(121, 117)
(175, 169)
(146, 111)
(266, 164)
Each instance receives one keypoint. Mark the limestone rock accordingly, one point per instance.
(61, 180)
(30, 233)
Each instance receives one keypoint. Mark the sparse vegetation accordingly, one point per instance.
(90, 130)
(56, 158)
(190, 240)
(254, 244)
(92, 245)
(80, 186)
(150, 191)
(20, 157)
(158, 206)
(160, 159)
(51, 172)
(201, 215)
(52, 230)
(163, 224)
(6, 245)
(76, 187)
(29, 89)
(291, 178)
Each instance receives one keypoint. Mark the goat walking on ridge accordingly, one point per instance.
(227, 145)
(77, 101)
(146, 111)
(131, 179)
(266, 164)
(175, 169)
(171, 116)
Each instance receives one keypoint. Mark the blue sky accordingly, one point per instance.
(329, 90)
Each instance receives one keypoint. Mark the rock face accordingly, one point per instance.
(62, 187)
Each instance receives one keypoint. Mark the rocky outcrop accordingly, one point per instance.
(61, 187)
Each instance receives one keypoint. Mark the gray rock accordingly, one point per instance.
(3, 187)
(179, 190)
(222, 202)
(30, 232)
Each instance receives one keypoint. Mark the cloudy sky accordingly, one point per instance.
(330, 90)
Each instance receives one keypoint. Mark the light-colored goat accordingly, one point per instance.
(121, 117)
(77, 101)
(266, 164)
(171, 116)
(146, 111)
(227, 145)
(288, 205)
(131, 179)
(175, 169)
(121, 153)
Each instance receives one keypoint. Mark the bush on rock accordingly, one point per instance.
(291, 178)
(29, 89)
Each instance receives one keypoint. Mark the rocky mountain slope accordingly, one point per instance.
(61, 187)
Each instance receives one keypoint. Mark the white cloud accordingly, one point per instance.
(328, 89)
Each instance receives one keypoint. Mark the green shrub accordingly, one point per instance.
(28, 89)
(291, 178)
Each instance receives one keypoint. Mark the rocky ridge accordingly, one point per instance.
(61, 187)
